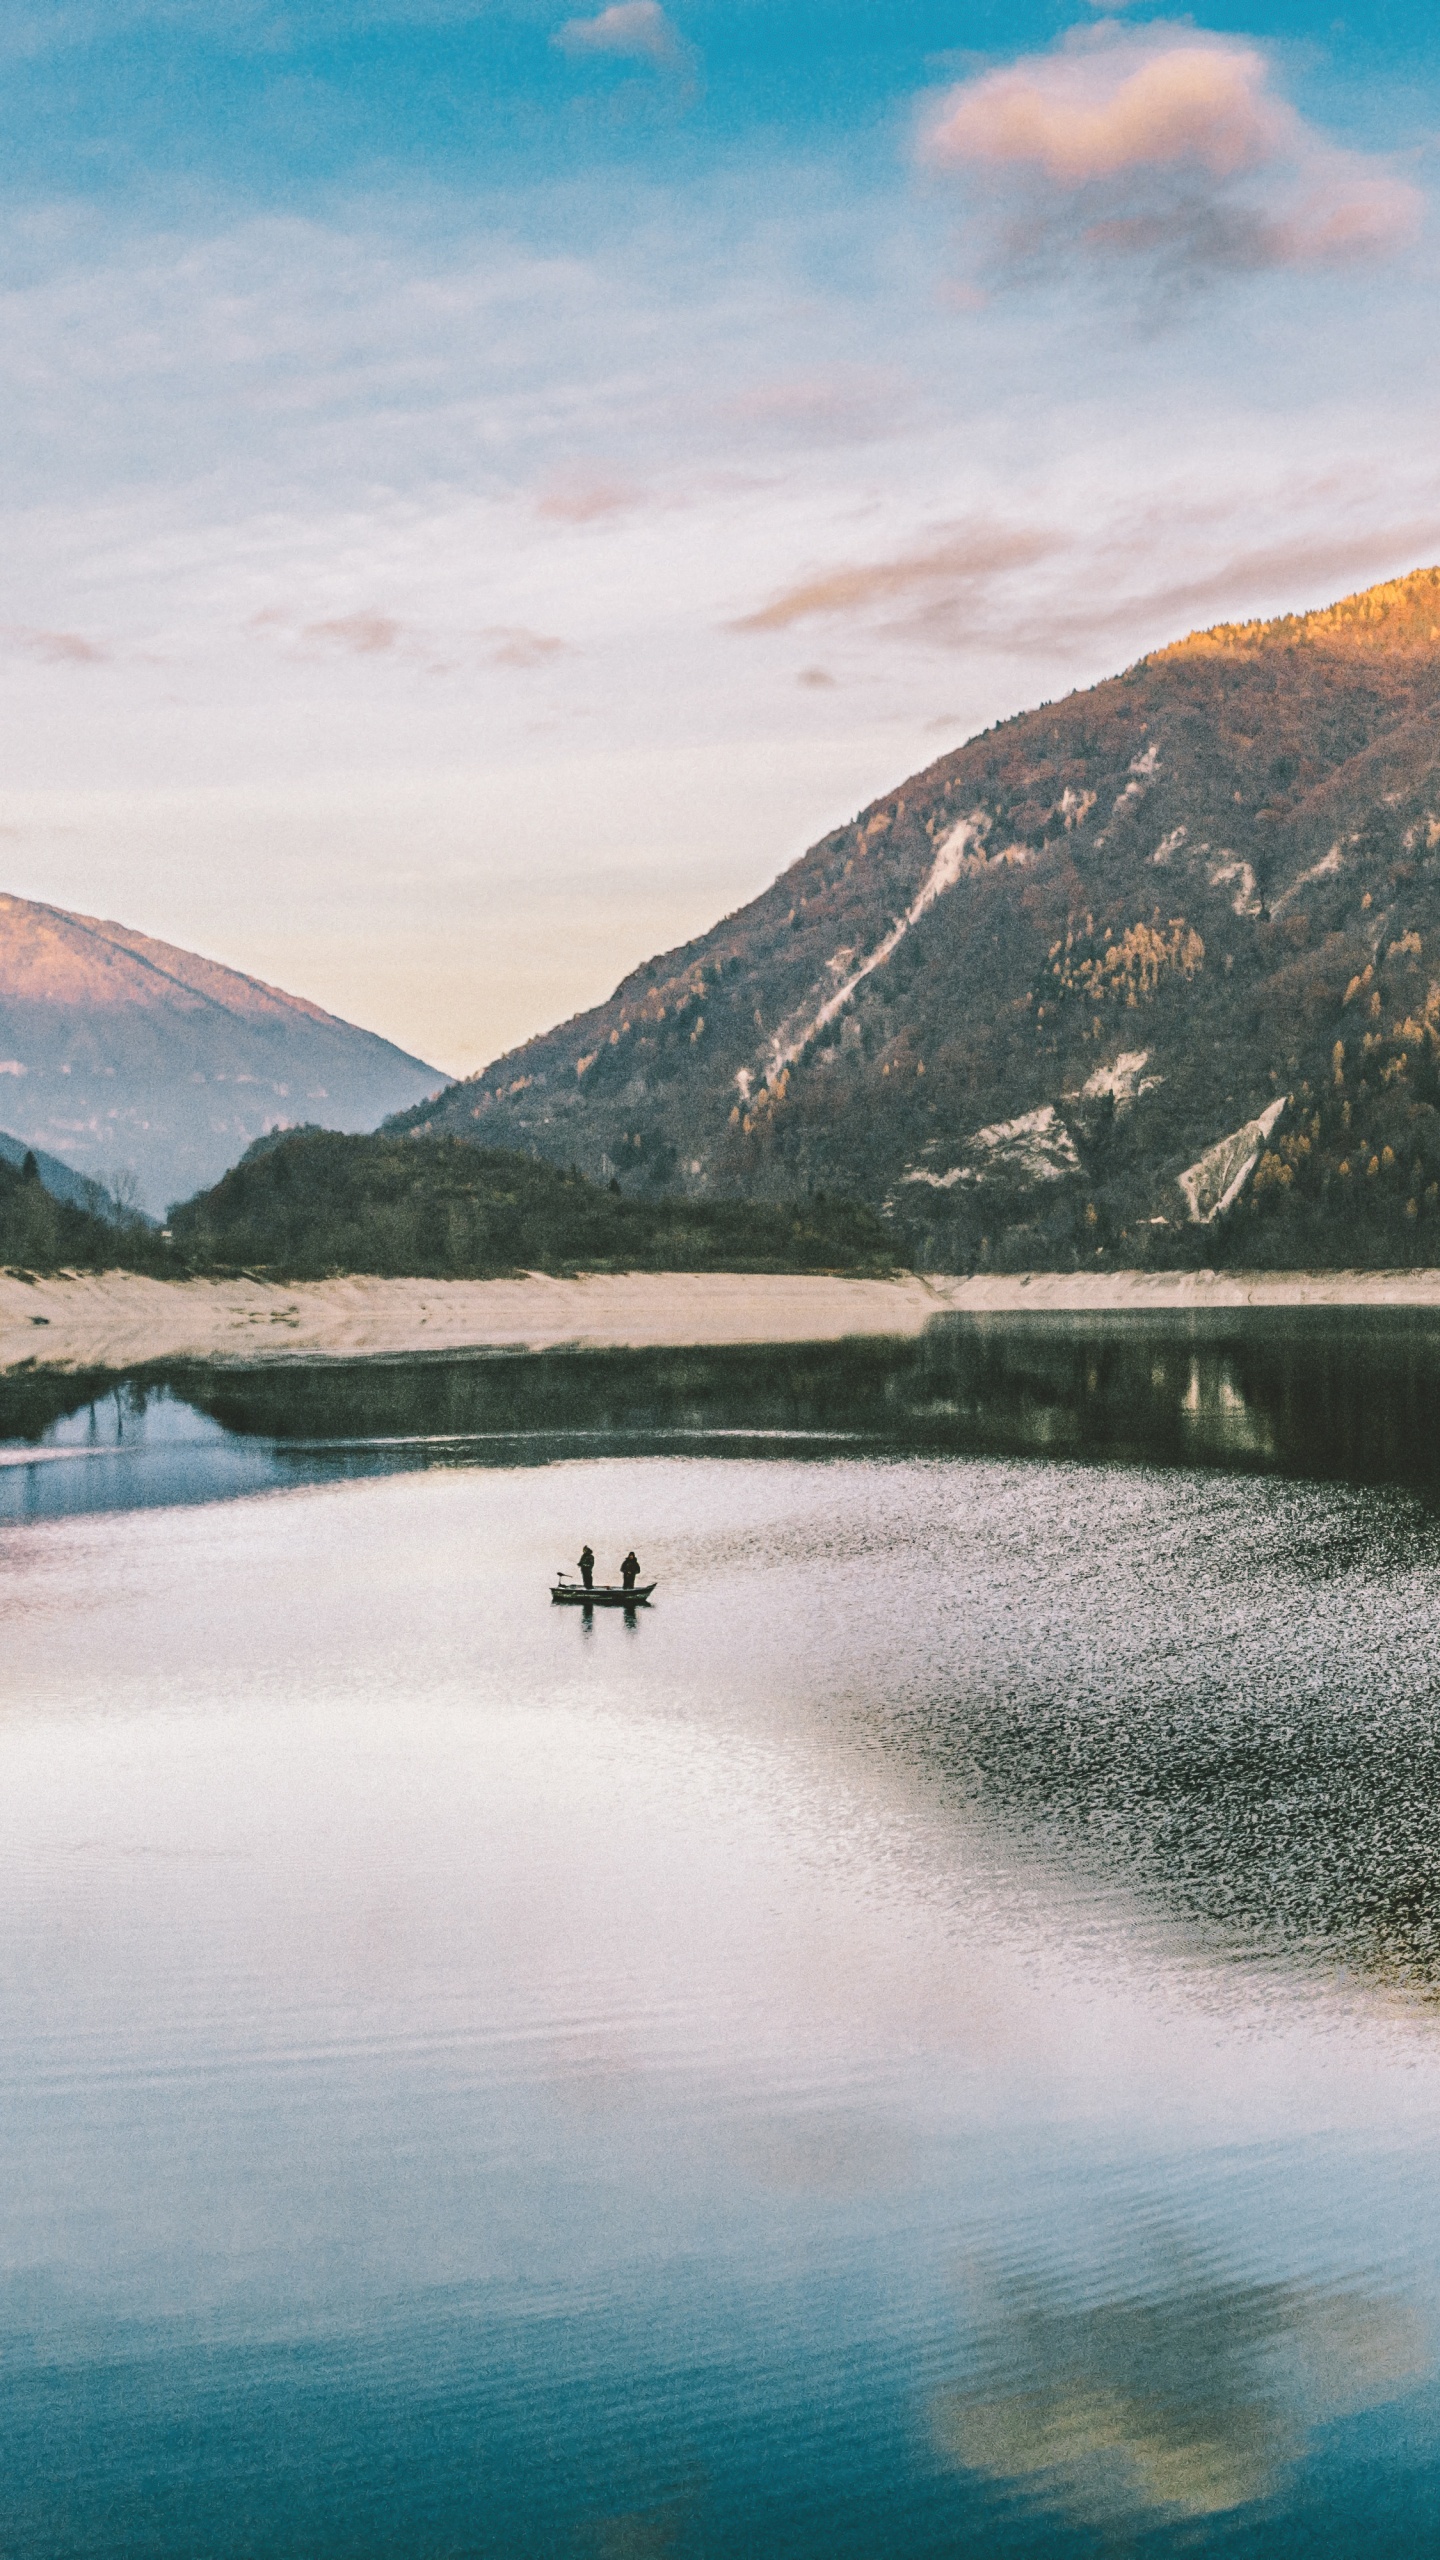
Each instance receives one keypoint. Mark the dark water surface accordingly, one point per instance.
(927, 2042)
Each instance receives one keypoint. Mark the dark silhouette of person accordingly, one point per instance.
(587, 1567)
(630, 1570)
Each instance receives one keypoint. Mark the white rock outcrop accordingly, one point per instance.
(1217, 1179)
(1037, 1147)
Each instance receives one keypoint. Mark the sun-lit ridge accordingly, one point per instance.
(1399, 614)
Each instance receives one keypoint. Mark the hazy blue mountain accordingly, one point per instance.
(149, 1067)
(61, 1180)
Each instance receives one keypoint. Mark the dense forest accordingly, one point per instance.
(1349, 1179)
(311, 1203)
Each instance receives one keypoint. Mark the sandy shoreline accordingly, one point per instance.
(123, 1320)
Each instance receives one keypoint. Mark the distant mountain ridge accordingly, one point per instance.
(81, 1190)
(1153, 970)
(120, 1054)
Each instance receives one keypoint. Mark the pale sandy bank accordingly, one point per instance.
(122, 1320)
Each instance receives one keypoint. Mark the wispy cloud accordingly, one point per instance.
(582, 497)
(933, 576)
(524, 649)
(364, 635)
(439, 650)
(36, 27)
(59, 648)
(1159, 144)
(1318, 562)
(834, 404)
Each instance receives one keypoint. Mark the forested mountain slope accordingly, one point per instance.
(1153, 971)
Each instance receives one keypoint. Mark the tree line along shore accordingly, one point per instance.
(310, 1204)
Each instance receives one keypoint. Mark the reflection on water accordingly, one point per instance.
(1339, 1395)
(923, 2044)
(1322, 1392)
(71, 1446)
(1191, 2399)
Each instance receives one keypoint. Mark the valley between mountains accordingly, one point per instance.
(1148, 975)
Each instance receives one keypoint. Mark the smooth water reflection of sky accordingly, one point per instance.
(841, 2065)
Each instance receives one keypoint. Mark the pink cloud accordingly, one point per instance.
(839, 403)
(960, 563)
(519, 648)
(1080, 115)
(369, 635)
(381, 635)
(1243, 579)
(581, 499)
(1160, 143)
(61, 648)
(1365, 216)
(635, 30)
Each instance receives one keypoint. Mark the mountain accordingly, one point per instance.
(125, 1057)
(1152, 973)
(79, 1190)
(42, 1232)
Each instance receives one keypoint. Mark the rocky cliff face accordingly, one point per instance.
(1119, 976)
(119, 1054)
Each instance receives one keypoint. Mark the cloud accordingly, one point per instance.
(382, 635)
(1268, 576)
(367, 635)
(934, 576)
(581, 499)
(60, 648)
(632, 30)
(833, 404)
(519, 648)
(1154, 571)
(1161, 144)
(1095, 113)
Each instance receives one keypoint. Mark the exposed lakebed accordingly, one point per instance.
(929, 2041)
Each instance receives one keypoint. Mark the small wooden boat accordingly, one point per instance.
(601, 1595)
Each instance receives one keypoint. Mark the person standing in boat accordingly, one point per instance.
(587, 1566)
(630, 1570)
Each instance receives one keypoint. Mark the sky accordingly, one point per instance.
(484, 486)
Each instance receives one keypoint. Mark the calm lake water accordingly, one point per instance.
(925, 2042)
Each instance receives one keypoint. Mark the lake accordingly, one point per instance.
(926, 2040)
